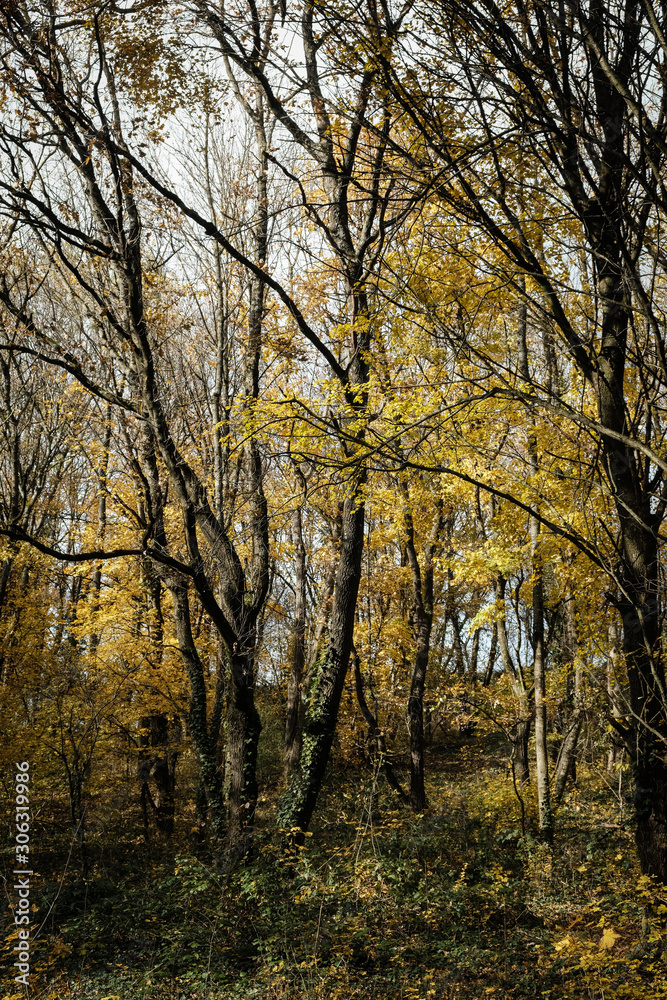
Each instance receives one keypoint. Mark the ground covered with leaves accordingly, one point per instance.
(460, 902)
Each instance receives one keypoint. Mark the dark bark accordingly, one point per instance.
(422, 615)
(474, 656)
(203, 739)
(491, 662)
(328, 674)
(294, 713)
(566, 757)
(243, 731)
(158, 754)
(519, 736)
(539, 675)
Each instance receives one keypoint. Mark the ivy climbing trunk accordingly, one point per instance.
(243, 731)
(328, 674)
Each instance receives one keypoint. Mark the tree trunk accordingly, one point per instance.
(416, 717)
(243, 731)
(102, 473)
(520, 731)
(294, 714)
(614, 696)
(203, 739)
(639, 603)
(158, 755)
(646, 736)
(328, 674)
(566, 760)
(474, 656)
(491, 662)
(539, 678)
(422, 609)
(375, 732)
(520, 735)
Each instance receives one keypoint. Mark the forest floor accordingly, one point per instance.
(459, 902)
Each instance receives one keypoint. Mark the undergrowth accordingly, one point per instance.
(459, 902)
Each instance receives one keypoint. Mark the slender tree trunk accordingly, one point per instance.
(294, 714)
(614, 695)
(474, 656)
(566, 762)
(520, 732)
(422, 609)
(157, 762)
(539, 677)
(416, 717)
(375, 732)
(326, 598)
(491, 662)
(520, 736)
(101, 525)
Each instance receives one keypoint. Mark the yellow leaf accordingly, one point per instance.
(608, 939)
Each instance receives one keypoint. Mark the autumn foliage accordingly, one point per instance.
(332, 490)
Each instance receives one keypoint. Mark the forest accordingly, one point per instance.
(333, 481)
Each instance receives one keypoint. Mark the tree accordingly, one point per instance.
(565, 104)
(349, 210)
(113, 350)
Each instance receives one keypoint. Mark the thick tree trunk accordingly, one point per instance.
(243, 731)
(204, 740)
(328, 674)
